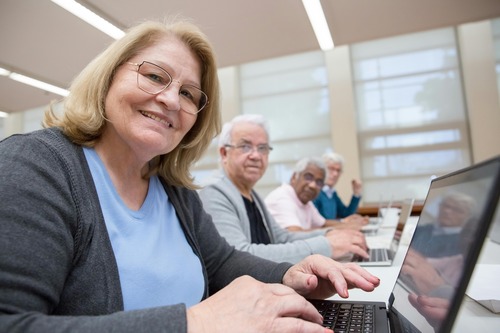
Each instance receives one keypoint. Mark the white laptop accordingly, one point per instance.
(377, 220)
(404, 310)
(385, 256)
(387, 217)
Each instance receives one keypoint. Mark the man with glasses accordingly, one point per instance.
(239, 213)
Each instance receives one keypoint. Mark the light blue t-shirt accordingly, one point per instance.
(157, 266)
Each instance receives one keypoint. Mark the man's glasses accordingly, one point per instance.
(153, 79)
(309, 177)
(247, 148)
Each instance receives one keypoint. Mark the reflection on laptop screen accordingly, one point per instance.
(435, 271)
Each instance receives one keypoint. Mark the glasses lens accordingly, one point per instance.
(151, 78)
(263, 149)
(309, 178)
(193, 100)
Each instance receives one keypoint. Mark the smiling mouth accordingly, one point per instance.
(158, 119)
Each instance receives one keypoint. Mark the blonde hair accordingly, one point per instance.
(84, 116)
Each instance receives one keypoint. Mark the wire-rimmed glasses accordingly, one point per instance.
(246, 148)
(153, 79)
(309, 177)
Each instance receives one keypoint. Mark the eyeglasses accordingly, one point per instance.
(246, 148)
(153, 79)
(309, 177)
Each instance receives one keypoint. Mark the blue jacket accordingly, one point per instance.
(333, 208)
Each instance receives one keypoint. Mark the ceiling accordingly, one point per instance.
(40, 39)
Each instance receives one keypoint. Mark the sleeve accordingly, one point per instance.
(233, 225)
(343, 210)
(317, 219)
(223, 262)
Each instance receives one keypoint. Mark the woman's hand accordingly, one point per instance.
(425, 277)
(247, 305)
(320, 277)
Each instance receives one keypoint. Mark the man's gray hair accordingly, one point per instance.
(303, 163)
(227, 129)
(462, 199)
(333, 158)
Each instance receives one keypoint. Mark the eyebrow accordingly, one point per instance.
(250, 142)
(169, 69)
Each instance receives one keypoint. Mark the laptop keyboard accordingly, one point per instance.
(378, 254)
(346, 317)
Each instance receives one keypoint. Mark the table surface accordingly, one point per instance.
(472, 316)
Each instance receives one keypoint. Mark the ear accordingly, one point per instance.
(223, 152)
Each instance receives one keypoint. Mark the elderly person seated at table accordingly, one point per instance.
(291, 204)
(240, 214)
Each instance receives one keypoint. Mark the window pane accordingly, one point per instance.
(306, 113)
(266, 85)
(411, 112)
(292, 94)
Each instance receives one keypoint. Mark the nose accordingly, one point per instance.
(170, 97)
(313, 184)
(254, 154)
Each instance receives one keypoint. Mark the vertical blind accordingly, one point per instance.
(292, 94)
(411, 115)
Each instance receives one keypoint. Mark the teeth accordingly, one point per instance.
(152, 116)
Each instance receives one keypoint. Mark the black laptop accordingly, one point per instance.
(426, 297)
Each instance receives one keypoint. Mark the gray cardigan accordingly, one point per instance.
(57, 268)
(224, 202)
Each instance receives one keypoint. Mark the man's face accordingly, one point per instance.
(245, 168)
(308, 183)
(452, 213)
(333, 172)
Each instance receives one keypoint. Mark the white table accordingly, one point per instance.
(472, 316)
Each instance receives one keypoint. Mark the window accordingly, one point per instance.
(292, 94)
(411, 115)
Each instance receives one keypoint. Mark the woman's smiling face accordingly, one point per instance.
(151, 125)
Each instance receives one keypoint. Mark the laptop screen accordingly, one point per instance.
(445, 247)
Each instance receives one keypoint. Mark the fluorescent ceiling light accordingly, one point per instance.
(90, 17)
(38, 84)
(33, 82)
(3, 114)
(318, 21)
(4, 72)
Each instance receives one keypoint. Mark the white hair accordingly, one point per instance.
(303, 163)
(227, 129)
(333, 158)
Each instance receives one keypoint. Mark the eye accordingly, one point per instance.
(188, 93)
(246, 147)
(157, 78)
(263, 149)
